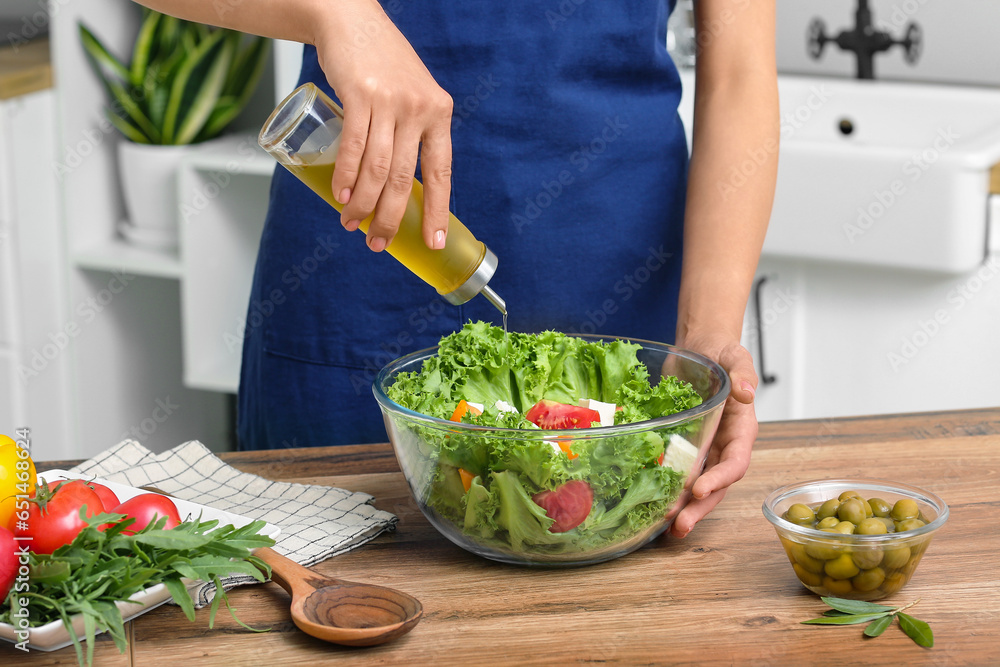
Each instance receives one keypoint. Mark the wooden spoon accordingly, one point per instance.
(342, 612)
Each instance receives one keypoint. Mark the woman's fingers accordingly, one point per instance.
(372, 174)
(435, 167)
(353, 140)
(396, 192)
(696, 510)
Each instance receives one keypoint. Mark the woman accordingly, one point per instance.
(550, 129)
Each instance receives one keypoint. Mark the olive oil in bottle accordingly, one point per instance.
(303, 135)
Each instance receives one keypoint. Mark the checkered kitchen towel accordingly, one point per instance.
(316, 522)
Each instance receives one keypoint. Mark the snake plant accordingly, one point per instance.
(185, 83)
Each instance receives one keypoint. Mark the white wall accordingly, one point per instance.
(961, 39)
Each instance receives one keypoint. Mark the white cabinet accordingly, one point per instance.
(34, 340)
(843, 340)
(772, 331)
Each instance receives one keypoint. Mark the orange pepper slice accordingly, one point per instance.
(467, 478)
(564, 444)
(462, 408)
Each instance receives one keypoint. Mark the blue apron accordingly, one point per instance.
(569, 162)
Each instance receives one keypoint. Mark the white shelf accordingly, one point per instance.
(225, 193)
(118, 255)
(234, 154)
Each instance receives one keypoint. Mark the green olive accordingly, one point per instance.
(851, 510)
(841, 567)
(837, 586)
(909, 524)
(800, 514)
(804, 560)
(895, 558)
(905, 508)
(880, 507)
(828, 522)
(868, 508)
(890, 525)
(848, 494)
(866, 559)
(845, 527)
(893, 583)
(869, 580)
(825, 550)
(829, 508)
(871, 526)
(911, 565)
(806, 577)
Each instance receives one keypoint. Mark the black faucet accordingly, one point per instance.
(865, 41)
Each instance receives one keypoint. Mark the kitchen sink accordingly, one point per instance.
(879, 173)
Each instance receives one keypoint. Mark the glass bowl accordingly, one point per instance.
(853, 566)
(498, 519)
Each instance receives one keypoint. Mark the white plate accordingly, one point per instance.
(54, 635)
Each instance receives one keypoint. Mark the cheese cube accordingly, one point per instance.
(680, 454)
(504, 406)
(605, 410)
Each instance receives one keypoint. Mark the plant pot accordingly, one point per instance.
(148, 176)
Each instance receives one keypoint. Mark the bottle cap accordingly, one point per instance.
(476, 282)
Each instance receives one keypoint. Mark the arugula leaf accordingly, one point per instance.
(102, 567)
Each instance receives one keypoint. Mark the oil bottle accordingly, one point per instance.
(303, 135)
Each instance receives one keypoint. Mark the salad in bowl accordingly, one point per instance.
(549, 448)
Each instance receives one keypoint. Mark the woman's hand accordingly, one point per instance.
(729, 457)
(393, 110)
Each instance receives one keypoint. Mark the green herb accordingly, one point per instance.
(102, 567)
(879, 617)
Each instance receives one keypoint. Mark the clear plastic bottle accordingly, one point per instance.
(303, 134)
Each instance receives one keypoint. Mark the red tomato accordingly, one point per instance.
(108, 497)
(569, 505)
(554, 415)
(144, 508)
(8, 562)
(59, 522)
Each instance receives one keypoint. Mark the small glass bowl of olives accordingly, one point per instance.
(859, 539)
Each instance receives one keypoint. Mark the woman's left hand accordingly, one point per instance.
(729, 457)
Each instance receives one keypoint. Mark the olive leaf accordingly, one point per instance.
(878, 626)
(916, 630)
(846, 619)
(855, 606)
(879, 617)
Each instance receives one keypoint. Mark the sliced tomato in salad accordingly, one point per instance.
(554, 415)
(568, 505)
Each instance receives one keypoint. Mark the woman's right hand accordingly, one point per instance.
(393, 110)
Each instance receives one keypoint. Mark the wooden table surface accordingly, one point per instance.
(724, 595)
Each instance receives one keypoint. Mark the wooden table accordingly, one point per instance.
(724, 595)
